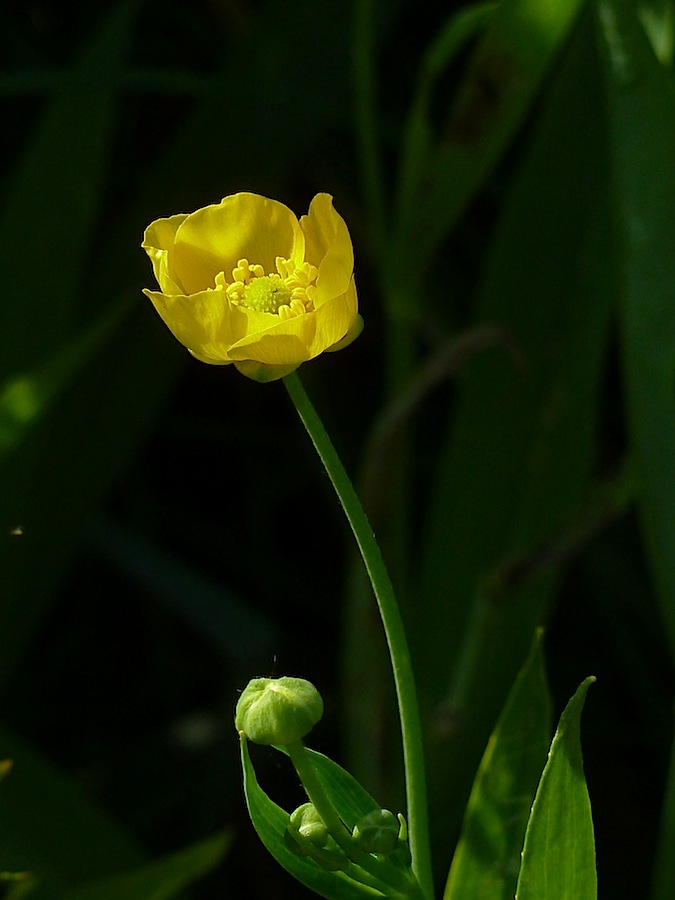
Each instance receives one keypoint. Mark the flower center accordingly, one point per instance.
(286, 293)
(266, 294)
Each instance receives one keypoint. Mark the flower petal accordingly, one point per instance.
(158, 243)
(215, 238)
(287, 342)
(352, 334)
(334, 320)
(328, 246)
(206, 323)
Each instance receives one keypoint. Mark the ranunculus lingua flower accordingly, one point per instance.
(244, 282)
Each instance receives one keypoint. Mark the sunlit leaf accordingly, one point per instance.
(559, 849)
(487, 859)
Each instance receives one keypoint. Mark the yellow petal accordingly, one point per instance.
(158, 243)
(328, 246)
(285, 343)
(206, 323)
(352, 334)
(215, 238)
(334, 320)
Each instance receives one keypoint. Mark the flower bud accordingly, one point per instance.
(377, 832)
(306, 820)
(278, 710)
(306, 835)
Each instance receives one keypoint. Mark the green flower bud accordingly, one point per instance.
(306, 835)
(278, 710)
(377, 832)
(309, 823)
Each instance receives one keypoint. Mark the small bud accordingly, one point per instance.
(306, 835)
(278, 710)
(377, 832)
(309, 823)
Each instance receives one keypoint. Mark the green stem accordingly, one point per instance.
(411, 728)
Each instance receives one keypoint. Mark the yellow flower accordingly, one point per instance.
(243, 281)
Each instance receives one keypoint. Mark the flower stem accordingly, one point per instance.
(411, 728)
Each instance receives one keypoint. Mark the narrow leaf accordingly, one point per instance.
(559, 850)
(161, 879)
(501, 81)
(486, 862)
(641, 103)
(53, 199)
(50, 827)
(513, 471)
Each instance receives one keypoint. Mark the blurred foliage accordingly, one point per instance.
(507, 173)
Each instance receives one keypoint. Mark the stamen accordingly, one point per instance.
(286, 294)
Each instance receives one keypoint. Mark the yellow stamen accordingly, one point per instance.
(288, 292)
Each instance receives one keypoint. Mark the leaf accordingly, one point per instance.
(53, 480)
(25, 399)
(160, 879)
(501, 81)
(350, 801)
(514, 468)
(641, 103)
(559, 849)
(486, 861)
(417, 143)
(53, 199)
(50, 827)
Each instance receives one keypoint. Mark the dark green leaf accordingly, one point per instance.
(49, 827)
(53, 200)
(559, 850)
(642, 126)
(158, 880)
(502, 78)
(520, 446)
(487, 859)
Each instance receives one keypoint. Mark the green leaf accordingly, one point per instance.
(50, 827)
(65, 461)
(486, 861)
(417, 143)
(53, 199)
(501, 81)
(641, 103)
(160, 879)
(351, 803)
(559, 849)
(26, 399)
(514, 469)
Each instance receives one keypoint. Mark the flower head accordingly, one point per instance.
(244, 282)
